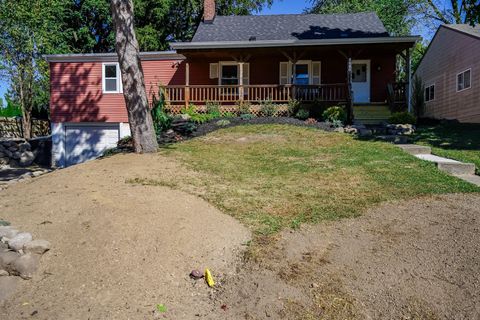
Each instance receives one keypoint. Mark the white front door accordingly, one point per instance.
(361, 81)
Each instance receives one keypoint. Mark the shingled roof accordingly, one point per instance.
(291, 27)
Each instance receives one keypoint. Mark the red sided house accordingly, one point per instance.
(340, 58)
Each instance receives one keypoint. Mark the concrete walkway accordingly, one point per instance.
(464, 171)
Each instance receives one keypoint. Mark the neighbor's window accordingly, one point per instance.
(430, 93)
(111, 78)
(464, 80)
(229, 75)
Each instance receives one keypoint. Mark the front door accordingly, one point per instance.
(361, 81)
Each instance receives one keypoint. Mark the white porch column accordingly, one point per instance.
(187, 84)
(240, 81)
(409, 80)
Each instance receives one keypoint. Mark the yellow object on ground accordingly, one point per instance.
(209, 278)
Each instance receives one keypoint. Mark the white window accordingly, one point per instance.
(306, 73)
(464, 80)
(111, 79)
(230, 73)
(430, 93)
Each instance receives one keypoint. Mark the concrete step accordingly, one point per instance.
(470, 178)
(450, 166)
(398, 140)
(415, 149)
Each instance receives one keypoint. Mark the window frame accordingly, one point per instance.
(246, 66)
(311, 76)
(118, 78)
(463, 79)
(425, 96)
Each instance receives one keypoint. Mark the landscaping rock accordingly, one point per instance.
(25, 266)
(8, 285)
(365, 133)
(7, 258)
(3, 273)
(26, 158)
(24, 147)
(36, 246)
(8, 232)
(400, 129)
(16, 243)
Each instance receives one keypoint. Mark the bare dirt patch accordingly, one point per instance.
(118, 249)
(414, 260)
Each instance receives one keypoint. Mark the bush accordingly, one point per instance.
(213, 109)
(243, 107)
(161, 120)
(418, 97)
(402, 118)
(247, 116)
(197, 117)
(267, 108)
(302, 114)
(293, 106)
(336, 113)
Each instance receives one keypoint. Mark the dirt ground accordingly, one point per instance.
(119, 249)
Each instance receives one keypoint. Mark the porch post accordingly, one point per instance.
(240, 81)
(350, 91)
(187, 84)
(409, 80)
(294, 76)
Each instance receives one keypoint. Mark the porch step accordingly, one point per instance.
(371, 114)
(415, 149)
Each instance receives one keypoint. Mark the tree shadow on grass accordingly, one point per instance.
(451, 136)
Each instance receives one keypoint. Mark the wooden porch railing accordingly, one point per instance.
(198, 94)
(397, 95)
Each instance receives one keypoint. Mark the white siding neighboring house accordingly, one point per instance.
(450, 71)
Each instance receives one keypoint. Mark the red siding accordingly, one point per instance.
(76, 90)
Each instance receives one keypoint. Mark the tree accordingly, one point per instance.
(134, 92)
(396, 15)
(454, 11)
(28, 30)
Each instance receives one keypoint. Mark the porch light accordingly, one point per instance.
(379, 68)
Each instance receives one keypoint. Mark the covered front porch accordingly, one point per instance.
(317, 75)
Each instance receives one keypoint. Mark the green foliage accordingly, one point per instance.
(223, 123)
(418, 96)
(243, 107)
(293, 106)
(302, 114)
(161, 120)
(267, 108)
(247, 116)
(402, 118)
(335, 113)
(10, 110)
(213, 108)
(198, 117)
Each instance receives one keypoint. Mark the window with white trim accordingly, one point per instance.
(430, 93)
(464, 80)
(111, 80)
(230, 73)
(307, 72)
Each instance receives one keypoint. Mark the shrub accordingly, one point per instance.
(418, 98)
(335, 113)
(10, 110)
(161, 120)
(267, 108)
(402, 118)
(223, 123)
(293, 106)
(213, 109)
(302, 114)
(229, 115)
(247, 116)
(243, 107)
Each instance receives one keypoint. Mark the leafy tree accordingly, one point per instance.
(396, 15)
(28, 29)
(454, 11)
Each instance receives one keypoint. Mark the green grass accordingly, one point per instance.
(273, 176)
(456, 141)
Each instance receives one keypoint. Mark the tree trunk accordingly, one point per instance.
(134, 93)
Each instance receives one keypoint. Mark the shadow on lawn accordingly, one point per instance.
(451, 136)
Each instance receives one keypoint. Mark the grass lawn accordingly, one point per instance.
(456, 141)
(272, 176)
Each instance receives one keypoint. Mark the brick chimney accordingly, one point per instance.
(209, 11)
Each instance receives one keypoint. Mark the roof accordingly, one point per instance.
(291, 27)
(112, 56)
(465, 28)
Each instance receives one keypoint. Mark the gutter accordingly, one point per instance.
(112, 56)
(286, 43)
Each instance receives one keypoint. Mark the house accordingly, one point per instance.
(330, 59)
(450, 73)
